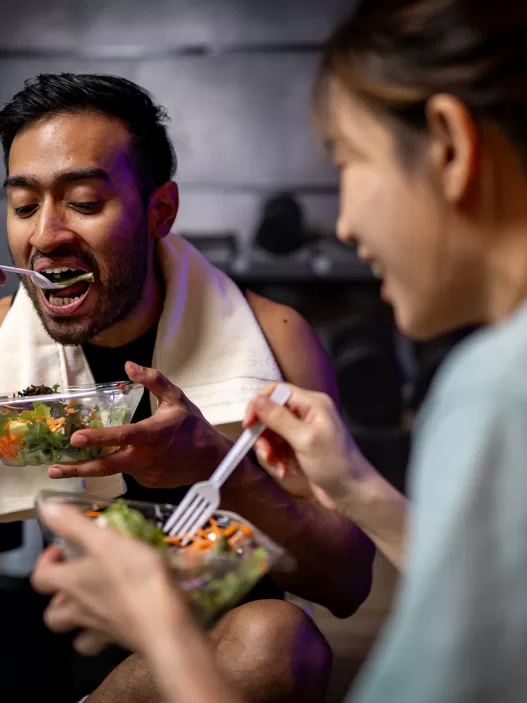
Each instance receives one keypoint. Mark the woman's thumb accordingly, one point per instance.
(278, 418)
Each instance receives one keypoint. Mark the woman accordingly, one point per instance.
(425, 105)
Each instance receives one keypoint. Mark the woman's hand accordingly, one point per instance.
(307, 442)
(119, 591)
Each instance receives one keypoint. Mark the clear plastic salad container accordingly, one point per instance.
(36, 425)
(216, 569)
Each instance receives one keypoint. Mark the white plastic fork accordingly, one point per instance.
(38, 278)
(203, 499)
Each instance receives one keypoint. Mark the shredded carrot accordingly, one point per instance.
(9, 447)
(246, 530)
(214, 526)
(94, 415)
(55, 425)
(231, 530)
(92, 513)
(233, 541)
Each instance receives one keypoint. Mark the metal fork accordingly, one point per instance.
(38, 278)
(203, 499)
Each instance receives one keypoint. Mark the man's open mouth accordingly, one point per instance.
(73, 293)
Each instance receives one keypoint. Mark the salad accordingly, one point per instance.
(38, 430)
(216, 567)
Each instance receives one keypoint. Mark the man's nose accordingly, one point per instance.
(50, 230)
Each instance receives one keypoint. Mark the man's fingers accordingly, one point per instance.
(112, 436)
(97, 468)
(165, 391)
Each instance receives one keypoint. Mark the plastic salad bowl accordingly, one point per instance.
(36, 425)
(215, 569)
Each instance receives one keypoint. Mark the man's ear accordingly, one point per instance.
(162, 209)
(454, 145)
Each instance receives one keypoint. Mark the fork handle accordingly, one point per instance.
(246, 441)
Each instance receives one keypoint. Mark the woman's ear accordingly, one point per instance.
(454, 147)
(162, 210)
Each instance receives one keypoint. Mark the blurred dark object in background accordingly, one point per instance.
(36, 664)
(220, 248)
(282, 227)
(368, 374)
(10, 536)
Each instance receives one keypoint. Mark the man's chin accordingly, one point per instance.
(68, 331)
(68, 334)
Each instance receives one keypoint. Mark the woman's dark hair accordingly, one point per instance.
(396, 54)
(154, 158)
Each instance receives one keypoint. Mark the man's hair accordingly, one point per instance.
(154, 158)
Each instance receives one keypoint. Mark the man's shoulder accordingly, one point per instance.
(295, 345)
(5, 304)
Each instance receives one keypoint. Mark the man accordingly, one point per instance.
(89, 169)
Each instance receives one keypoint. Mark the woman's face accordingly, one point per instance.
(400, 220)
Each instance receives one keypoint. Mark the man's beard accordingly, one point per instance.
(120, 288)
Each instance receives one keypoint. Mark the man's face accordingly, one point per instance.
(74, 202)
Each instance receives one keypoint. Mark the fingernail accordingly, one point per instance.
(79, 440)
(262, 454)
(134, 367)
(55, 472)
(280, 472)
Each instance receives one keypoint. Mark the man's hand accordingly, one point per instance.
(119, 591)
(175, 447)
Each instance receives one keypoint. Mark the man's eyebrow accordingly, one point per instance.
(83, 174)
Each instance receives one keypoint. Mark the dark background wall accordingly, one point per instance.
(235, 76)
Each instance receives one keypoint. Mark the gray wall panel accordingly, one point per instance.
(133, 26)
(241, 120)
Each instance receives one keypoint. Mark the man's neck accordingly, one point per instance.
(142, 319)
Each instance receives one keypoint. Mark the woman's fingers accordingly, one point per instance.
(89, 643)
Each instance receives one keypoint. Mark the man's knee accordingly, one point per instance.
(272, 651)
(130, 682)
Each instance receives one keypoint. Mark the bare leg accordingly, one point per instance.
(270, 651)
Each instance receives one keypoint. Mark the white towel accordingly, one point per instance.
(208, 343)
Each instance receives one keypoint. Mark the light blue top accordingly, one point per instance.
(459, 630)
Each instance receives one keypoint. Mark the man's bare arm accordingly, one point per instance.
(334, 556)
(298, 351)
